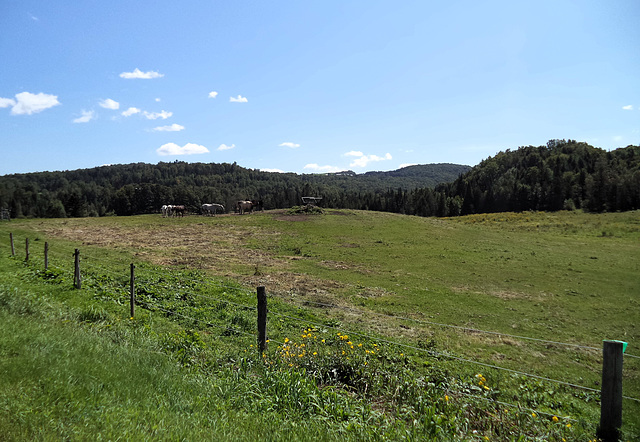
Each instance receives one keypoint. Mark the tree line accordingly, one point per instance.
(561, 175)
(138, 188)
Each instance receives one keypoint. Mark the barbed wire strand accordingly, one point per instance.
(145, 305)
(566, 418)
(432, 353)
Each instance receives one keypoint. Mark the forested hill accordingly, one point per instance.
(561, 175)
(142, 188)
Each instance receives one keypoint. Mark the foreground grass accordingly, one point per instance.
(374, 257)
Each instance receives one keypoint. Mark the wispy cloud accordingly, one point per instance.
(172, 128)
(33, 17)
(187, 149)
(291, 145)
(131, 111)
(137, 73)
(7, 102)
(109, 104)
(323, 169)
(628, 107)
(225, 147)
(362, 160)
(213, 94)
(27, 103)
(239, 99)
(85, 118)
(155, 115)
(272, 170)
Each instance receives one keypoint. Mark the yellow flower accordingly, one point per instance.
(315, 353)
(554, 418)
(534, 415)
(323, 341)
(568, 425)
(401, 354)
(286, 340)
(446, 398)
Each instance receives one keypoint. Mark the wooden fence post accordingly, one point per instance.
(611, 393)
(262, 319)
(132, 291)
(26, 249)
(13, 250)
(46, 256)
(77, 280)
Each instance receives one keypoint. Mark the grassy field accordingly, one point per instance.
(433, 285)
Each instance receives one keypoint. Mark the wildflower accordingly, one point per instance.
(446, 398)
(534, 415)
(315, 353)
(359, 345)
(401, 354)
(323, 341)
(286, 340)
(554, 418)
(568, 425)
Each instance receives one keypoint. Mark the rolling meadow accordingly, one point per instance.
(381, 326)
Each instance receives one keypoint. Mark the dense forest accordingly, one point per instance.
(143, 188)
(562, 175)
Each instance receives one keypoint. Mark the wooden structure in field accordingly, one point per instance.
(311, 200)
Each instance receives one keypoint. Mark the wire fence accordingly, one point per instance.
(152, 276)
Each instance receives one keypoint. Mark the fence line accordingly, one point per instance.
(474, 330)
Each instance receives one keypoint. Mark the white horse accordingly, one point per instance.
(212, 209)
(166, 211)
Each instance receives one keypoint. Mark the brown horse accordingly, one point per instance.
(178, 210)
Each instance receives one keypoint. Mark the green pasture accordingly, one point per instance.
(565, 277)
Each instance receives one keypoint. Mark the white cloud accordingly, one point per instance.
(173, 128)
(7, 102)
(131, 111)
(272, 170)
(109, 104)
(225, 147)
(323, 169)
(28, 103)
(137, 73)
(187, 149)
(291, 145)
(628, 107)
(354, 153)
(213, 94)
(85, 118)
(240, 99)
(157, 100)
(155, 115)
(363, 160)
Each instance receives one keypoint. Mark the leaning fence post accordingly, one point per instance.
(76, 273)
(46, 256)
(13, 251)
(262, 319)
(132, 298)
(611, 393)
(26, 249)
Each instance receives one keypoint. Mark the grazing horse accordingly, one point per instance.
(244, 206)
(257, 205)
(178, 210)
(212, 209)
(165, 211)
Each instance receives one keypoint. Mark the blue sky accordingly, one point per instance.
(310, 86)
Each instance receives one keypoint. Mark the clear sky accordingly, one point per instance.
(311, 86)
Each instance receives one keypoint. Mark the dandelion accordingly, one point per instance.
(286, 340)
(534, 415)
(555, 418)
(568, 425)
(131, 317)
(401, 354)
(446, 398)
(323, 341)
(315, 353)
